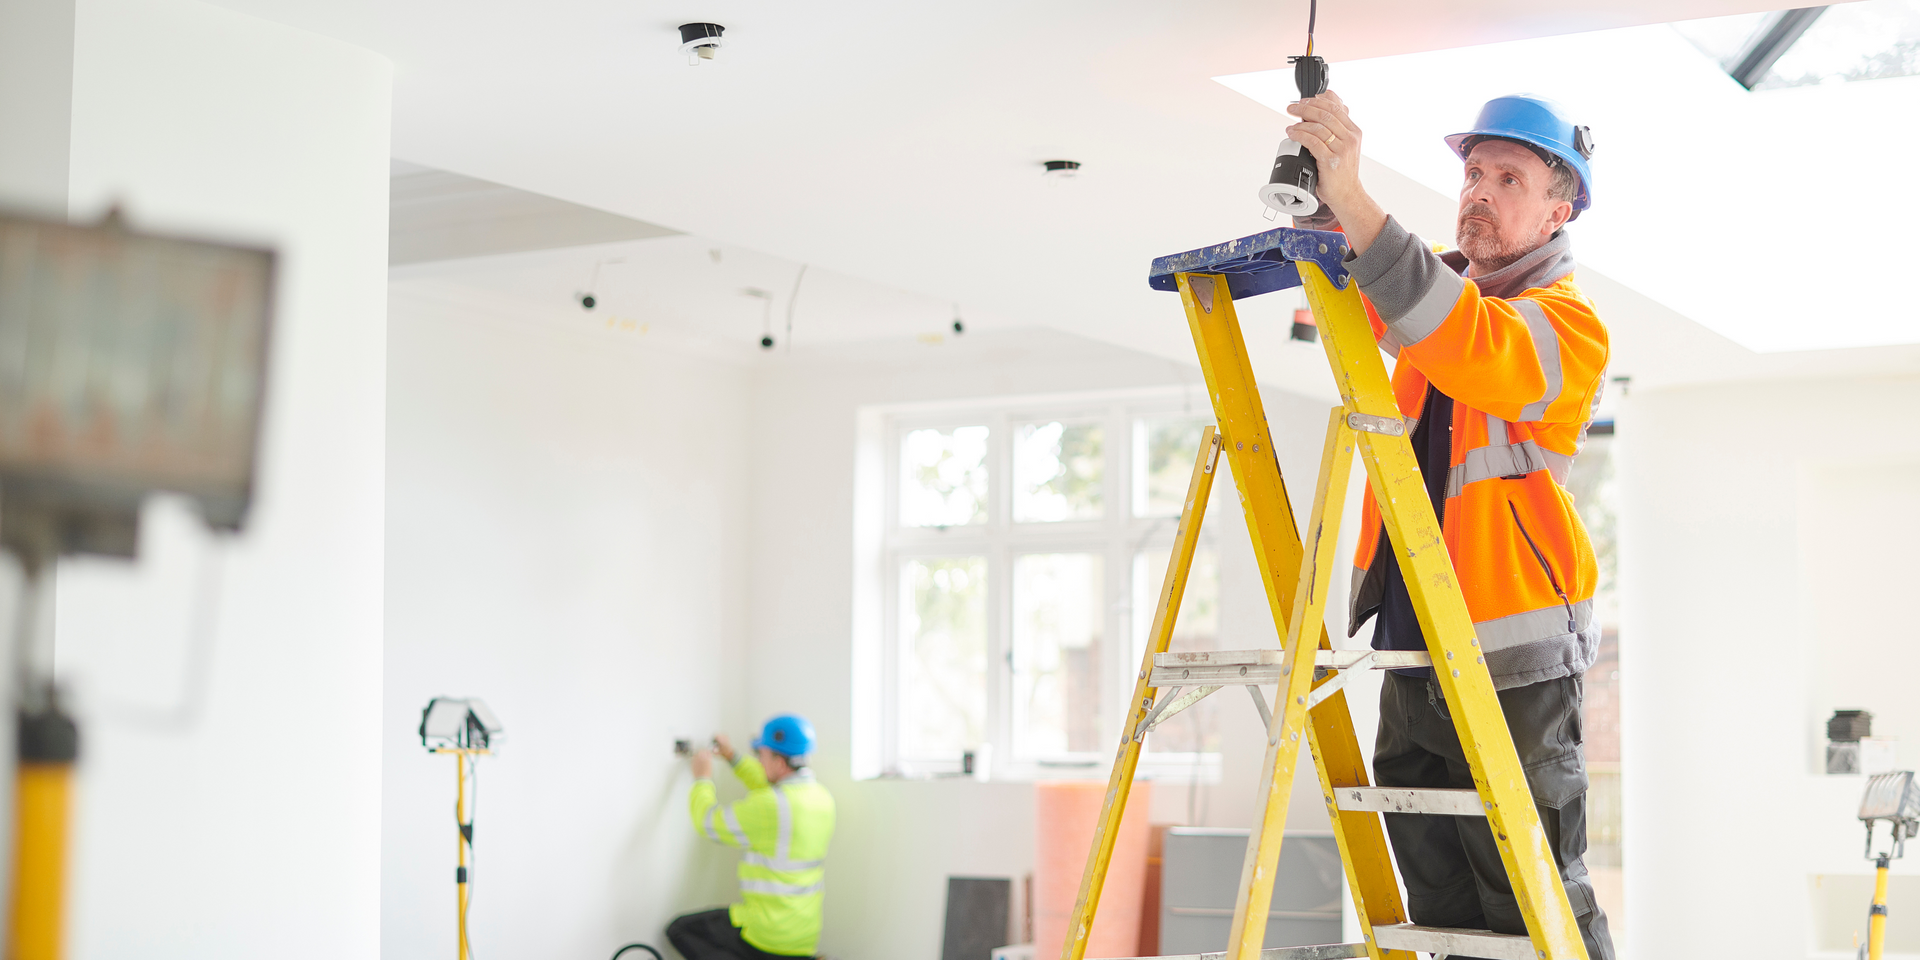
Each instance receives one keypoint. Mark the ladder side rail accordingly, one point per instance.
(1120, 782)
(1419, 547)
(1278, 550)
(1305, 633)
(1338, 758)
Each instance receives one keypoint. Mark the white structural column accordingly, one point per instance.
(229, 792)
(36, 102)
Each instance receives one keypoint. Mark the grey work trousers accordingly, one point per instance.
(1450, 865)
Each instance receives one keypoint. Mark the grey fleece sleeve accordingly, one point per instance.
(1411, 289)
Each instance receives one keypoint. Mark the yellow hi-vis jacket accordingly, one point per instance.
(784, 829)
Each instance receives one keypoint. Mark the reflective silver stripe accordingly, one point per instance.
(788, 866)
(706, 823)
(1503, 458)
(1558, 464)
(779, 889)
(1426, 316)
(1498, 460)
(783, 843)
(1546, 623)
(1546, 346)
(1593, 410)
(733, 827)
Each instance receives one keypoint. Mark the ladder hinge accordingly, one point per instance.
(1368, 423)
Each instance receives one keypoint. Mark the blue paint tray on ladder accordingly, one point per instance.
(1258, 264)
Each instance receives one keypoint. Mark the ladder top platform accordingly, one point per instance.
(1261, 263)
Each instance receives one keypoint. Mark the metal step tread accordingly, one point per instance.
(1454, 941)
(1322, 951)
(1444, 802)
(1263, 666)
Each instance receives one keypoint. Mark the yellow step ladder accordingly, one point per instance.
(1296, 575)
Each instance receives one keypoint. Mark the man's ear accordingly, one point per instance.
(1558, 216)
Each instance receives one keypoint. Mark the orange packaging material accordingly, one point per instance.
(1064, 816)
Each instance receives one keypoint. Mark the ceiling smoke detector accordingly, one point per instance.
(700, 41)
(1061, 169)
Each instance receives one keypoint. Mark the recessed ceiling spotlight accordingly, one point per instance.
(700, 41)
(1061, 169)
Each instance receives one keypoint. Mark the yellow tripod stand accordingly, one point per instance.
(1296, 574)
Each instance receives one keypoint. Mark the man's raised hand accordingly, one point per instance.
(1329, 133)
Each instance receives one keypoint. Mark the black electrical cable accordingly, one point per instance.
(1313, 14)
(637, 946)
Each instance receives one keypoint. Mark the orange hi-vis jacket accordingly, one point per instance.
(1523, 356)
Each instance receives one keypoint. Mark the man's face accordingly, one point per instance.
(775, 764)
(1505, 212)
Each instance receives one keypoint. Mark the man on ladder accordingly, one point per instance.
(1501, 360)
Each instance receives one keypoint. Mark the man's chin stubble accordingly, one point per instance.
(1483, 251)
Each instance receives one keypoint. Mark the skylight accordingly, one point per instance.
(1870, 40)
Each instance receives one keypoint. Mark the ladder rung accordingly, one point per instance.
(1450, 803)
(1322, 951)
(1376, 659)
(1454, 942)
(1197, 667)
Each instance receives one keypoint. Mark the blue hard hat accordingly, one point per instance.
(788, 735)
(1541, 124)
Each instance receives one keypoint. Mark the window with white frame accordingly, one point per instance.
(1024, 550)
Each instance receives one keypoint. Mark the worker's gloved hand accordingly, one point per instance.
(701, 763)
(723, 746)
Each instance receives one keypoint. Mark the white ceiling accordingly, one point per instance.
(434, 215)
(900, 143)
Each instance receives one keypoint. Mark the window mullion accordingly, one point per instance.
(1000, 685)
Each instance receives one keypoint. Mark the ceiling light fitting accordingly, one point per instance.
(1061, 169)
(700, 41)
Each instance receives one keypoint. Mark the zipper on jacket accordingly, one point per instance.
(1537, 555)
(1453, 409)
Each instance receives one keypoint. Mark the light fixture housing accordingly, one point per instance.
(1060, 169)
(700, 41)
(450, 723)
(1895, 798)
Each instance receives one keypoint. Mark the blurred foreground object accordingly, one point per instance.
(1895, 798)
(467, 729)
(130, 364)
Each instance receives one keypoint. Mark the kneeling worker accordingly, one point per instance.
(784, 825)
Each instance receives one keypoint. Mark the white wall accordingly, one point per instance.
(1767, 578)
(36, 101)
(897, 841)
(234, 811)
(566, 529)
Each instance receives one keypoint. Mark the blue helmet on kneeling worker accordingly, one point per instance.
(1543, 126)
(789, 735)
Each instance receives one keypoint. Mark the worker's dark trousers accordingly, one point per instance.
(711, 935)
(1450, 864)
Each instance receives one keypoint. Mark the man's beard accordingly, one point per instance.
(1480, 240)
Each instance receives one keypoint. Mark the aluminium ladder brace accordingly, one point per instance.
(1296, 578)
